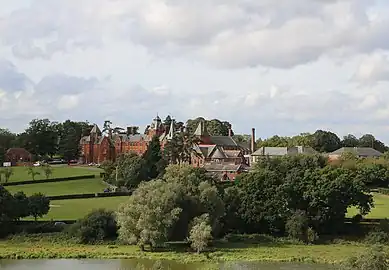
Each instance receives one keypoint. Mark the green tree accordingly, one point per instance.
(48, 170)
(69, 141)
(7, 214)
(326, 141)
(41, 137)
(7, 140)
(39, 205)
(153, 158)
(372, 259)
(368, 140)
(149, 215)
(275, 141)
(304, 139)
(200, 234)
(21, 208)
(31, 171)
(297, 226)
(131, 170)
(350, 141)
(215, 127)
(181, 148)
(7, 172)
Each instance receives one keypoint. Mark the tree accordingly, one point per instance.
(215, 127)
(21, 205)
(200, 234)
(31, 171)
(131, 170)
(39, 205)
(369, 140)
(297, 226)
(7, 172)
(150, 213)
(181, 148)
(48, 170)
(350, 141)
(7, 214)
(325, 141)
(153, 158)
(41, 137)
(7, 140)
(99, 225)
(162, 210)
(70, 135)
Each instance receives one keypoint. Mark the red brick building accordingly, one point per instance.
(97, 148)
(219, 155)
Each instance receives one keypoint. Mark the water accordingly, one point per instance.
(146, 265)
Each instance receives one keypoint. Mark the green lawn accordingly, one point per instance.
(62, 188)
(78, 208)
(21, 174)
(380, 210)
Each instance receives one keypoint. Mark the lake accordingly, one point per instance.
(137, 264)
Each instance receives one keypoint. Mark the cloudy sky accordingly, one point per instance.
(283, 67)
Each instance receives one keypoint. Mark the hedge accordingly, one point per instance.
(384, 191)
(89, 195)
(62, 179)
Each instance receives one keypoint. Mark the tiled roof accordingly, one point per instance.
(218, 154)
(281, 151)
(222, 167)
(18, 152)
(232, 153)
(359, 151)
(223, 141)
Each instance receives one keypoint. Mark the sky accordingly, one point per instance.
(283, 67)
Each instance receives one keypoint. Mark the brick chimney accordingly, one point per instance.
(229, 131)
(252, 140)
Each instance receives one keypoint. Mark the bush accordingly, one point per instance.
(356, 219)
(377, 237)
(374, 259)
(312, 236)
(383, 226)
(297, 226)
(200, 234)
(97, 226)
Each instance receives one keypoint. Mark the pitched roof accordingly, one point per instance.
(18, 152)
(218, 154)
(222, 167)
(223, 141)
(359, 151)
(201, 129)
(95, 129)
(281, 151)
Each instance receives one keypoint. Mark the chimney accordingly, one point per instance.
(252, 140)
(129, 131)
(229, 131)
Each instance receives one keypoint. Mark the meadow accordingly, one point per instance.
(93, 185)
(380, 210)
(21, 173)
(78, 208)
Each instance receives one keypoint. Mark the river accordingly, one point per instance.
(146, 265)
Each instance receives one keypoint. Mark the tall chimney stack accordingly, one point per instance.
(229, 131)
(252, 140)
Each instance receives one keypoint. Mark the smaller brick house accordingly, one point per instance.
(18, 155)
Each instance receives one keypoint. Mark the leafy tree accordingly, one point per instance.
(149, 215)
(215, 127)
(153, 158)
(180, 149)
(325, 141)
(372, 259)
(7, 140)
(109, 168)
(39, 205)
(48, 170)
(297, 226)
(31, 171)
(131, 170)
(304, 139)
(70, 134)
(97, 226)
(7, 214)
(41, 137)
(7, 172)
(350, 141)
(200, 234)
(369, 140)
(242, 138)
(21, 207)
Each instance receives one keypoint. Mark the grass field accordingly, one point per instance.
(46, 246)
(21, 174)
(380, 210)
(62, 188)
(78, 208)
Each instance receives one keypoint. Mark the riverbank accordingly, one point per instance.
(50, 247)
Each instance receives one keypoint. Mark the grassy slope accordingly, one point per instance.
(44, 247)
(62, 188)
(380, 210)
(21, 174)
(78, 208)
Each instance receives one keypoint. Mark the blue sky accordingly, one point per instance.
(283, 67)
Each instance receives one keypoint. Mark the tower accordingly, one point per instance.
(156, 127)
(94, 137)
(170, 135)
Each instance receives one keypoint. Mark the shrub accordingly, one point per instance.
(297, 226)
(377, 237)
(357, 219)
(312, 236)
(97, 226)
(373, 259)
(383, 226)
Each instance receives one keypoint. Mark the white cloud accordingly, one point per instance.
(128, 60)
